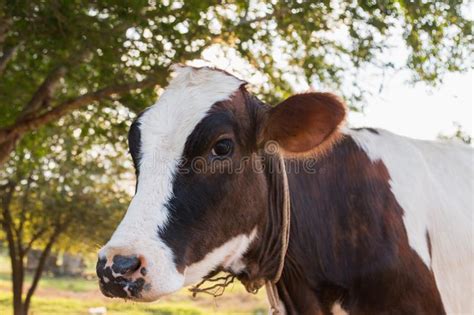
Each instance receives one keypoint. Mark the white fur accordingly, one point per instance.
(433, 183)
(337, 309)
(225, 255)
(164, 130)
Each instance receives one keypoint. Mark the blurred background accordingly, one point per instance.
(74, 74)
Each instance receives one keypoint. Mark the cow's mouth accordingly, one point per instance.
(124, 288)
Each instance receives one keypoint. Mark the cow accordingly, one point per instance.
(336, 220)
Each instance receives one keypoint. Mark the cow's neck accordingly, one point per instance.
(310, 283)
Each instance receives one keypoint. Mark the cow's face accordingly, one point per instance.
(201, 198)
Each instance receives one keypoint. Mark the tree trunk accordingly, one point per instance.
(18, 308)
(17, 280)
(39, 270)
(17, 251)
(15, 255)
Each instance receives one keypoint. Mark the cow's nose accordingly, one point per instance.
(125, 265)
(122, 275)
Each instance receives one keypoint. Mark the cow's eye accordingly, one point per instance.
(222, 148)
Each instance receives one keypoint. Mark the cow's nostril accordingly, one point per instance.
(125, 264)
(100, 267)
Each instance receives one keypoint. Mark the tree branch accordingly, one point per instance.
(44, 92)
(41, 263)
(6, 148)
(24, 203)
(5, 24)
(33, 238)
(6, 214)
(8, 54)
(21, 127)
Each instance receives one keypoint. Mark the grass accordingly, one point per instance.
(66, 295)
(72, 306)
(62, 283)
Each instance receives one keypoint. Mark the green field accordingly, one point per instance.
(78, 295)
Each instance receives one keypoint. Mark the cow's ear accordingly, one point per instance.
(304, 121)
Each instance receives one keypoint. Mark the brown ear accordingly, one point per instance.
(304, 121)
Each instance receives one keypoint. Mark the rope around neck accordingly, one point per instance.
(276, 305)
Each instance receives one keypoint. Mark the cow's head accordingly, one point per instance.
(203, 191)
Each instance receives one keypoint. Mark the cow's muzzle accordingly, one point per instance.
(122, 276)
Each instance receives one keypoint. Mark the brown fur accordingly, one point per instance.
(305, 122)
(348, 242)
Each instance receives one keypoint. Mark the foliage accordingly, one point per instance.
(58, 56)
(459, 134)
(63, 174)
(60, 186)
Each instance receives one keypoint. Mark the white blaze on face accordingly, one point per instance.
(164, 129)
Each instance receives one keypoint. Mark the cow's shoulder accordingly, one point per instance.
(432, 182)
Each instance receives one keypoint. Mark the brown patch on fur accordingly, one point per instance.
(216, 198)
(348, 242)
(305, 122)
(266, 259)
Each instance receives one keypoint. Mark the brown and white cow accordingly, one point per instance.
(380, 224)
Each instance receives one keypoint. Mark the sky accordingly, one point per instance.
(414, 110)
(420, 111)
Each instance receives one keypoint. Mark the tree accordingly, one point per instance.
(60, 56)
(59, 187)
(459, 135)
